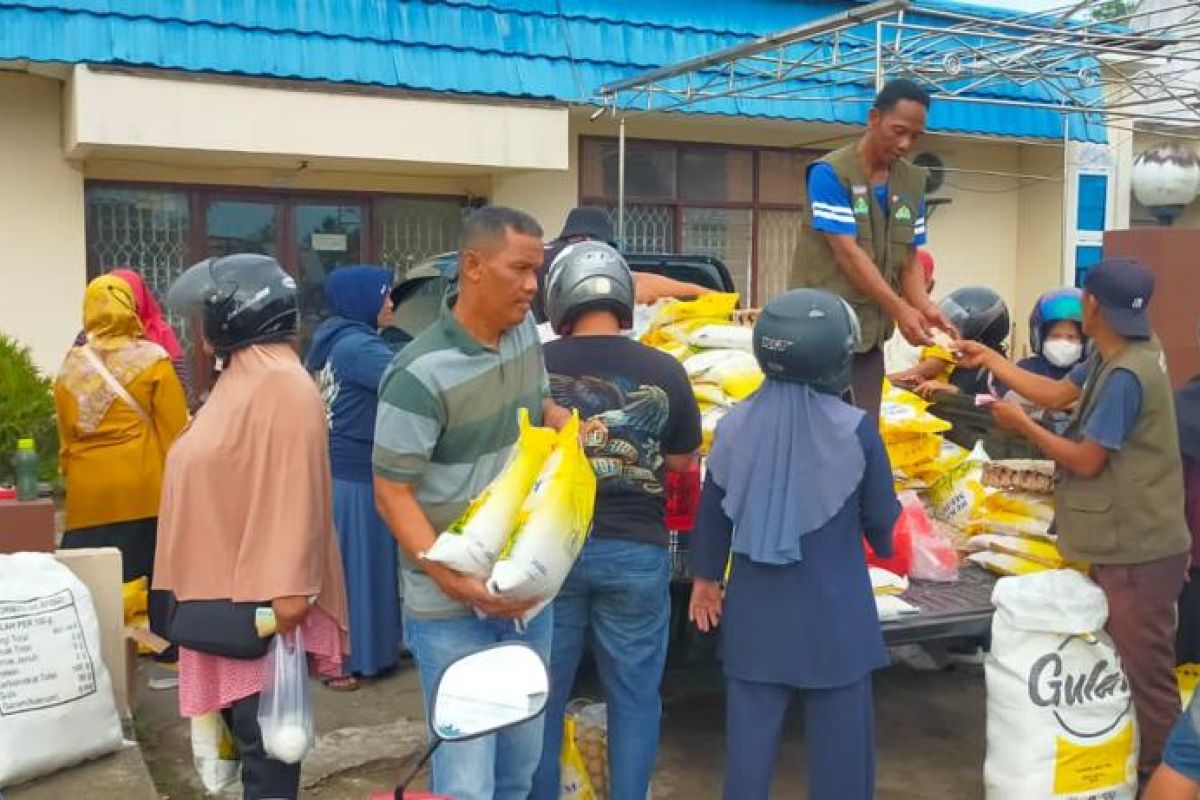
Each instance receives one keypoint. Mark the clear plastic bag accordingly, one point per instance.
(285, 713)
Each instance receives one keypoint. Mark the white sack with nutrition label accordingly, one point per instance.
(56, 700)
(1060, 720)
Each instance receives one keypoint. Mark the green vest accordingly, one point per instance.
(1133, 511)
(886, 238)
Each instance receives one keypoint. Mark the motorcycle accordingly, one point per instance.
(484, 692)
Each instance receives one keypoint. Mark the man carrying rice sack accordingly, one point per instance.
(448, 420)
(617, 595)
(1119, 500)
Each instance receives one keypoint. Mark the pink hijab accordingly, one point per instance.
(155, 326)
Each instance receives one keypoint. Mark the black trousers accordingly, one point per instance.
(263, 778)
(866, 381)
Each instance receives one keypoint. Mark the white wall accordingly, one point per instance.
(43, 266)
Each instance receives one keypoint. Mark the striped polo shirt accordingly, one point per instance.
(447, 422)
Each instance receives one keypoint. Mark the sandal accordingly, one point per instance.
(345, 683)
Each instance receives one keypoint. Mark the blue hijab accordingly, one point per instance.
(788, 458)
(356, 293)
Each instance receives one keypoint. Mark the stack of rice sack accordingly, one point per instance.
(913, 437)
(716, 352)
(523, 533)
(1011, 532)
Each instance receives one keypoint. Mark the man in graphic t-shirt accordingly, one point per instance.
(617, 596)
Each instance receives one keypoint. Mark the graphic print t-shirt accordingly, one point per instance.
(645, 401)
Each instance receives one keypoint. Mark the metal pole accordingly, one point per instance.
(621, 185)
(878, 57)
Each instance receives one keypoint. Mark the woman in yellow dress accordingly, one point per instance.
(120, 406)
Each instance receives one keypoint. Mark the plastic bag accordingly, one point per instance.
(285, 712)
(214, 753)
(957, 494)
(1044, 553)
(554, 522)
(474, 542)
(1005, 564)
(933, 558)
(590, 723)
(574, 783)
(886, 582)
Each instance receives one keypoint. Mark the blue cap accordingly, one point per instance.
(1123, 289)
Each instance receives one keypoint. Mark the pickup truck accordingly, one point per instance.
(961, 609)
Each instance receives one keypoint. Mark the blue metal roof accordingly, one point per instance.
(559, 50)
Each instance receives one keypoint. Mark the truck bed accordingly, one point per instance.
(947, 610)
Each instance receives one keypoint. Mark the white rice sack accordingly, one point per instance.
(56, 699)
(1060, 722)
(735, 337)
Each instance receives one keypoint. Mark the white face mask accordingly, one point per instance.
(1062, 352)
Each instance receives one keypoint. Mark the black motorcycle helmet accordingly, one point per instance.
(585, 276)
(980, 315)
(808, 336)
(243, 299)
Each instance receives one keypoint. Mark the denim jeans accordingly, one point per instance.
(617, 598)
(499, 766)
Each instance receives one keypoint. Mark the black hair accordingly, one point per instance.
(900, 89)
(494, 222)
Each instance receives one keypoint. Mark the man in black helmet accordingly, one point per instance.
(617, 595)
(584, 224)
(864, 221)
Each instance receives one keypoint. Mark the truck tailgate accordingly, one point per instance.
(947, 610)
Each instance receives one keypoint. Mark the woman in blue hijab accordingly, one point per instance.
(348, 358)
(795, 478)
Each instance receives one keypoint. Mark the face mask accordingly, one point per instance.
(1062, 352)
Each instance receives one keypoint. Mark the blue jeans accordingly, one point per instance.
(500, 766)
(617, 598)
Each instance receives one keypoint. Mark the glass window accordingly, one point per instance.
(412, 229)
(716, 174)
(146, 230)
(240, 226)
(648, 229)
(649, 169)
(781, 176)
(328, 236)
(723, 233)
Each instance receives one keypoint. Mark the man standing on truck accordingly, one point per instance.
(1119, 498)
(863, 224)
(617, 596)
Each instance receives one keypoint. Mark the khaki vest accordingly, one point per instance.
(1132, 512)
(886, 238)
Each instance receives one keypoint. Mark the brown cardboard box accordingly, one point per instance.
(27, 526)
(99, 569)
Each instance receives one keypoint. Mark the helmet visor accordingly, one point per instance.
(192, 289)
(1060, 306)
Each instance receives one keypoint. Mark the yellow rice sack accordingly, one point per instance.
(919, 450)
(1004, 523)
(1030, 506)
(958, 493)
(718, 306)
(553, 524)
(474, 541)
(712, 395)
(903, 415)
(1041, 552)
(1004, 564)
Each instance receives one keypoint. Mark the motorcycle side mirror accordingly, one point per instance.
(488, 691)
(481, 693)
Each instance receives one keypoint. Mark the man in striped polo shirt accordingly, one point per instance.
(446, 424)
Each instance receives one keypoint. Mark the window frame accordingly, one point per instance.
(677, 204)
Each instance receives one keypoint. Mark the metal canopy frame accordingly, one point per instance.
(1139, 69)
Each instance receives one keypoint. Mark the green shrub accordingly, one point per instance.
(26, 409)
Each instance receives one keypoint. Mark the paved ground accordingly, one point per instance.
(931, 738)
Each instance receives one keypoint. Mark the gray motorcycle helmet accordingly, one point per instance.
(586, 276)
(808, 336)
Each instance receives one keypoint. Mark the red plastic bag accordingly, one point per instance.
(933, 558)
(900, 562)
